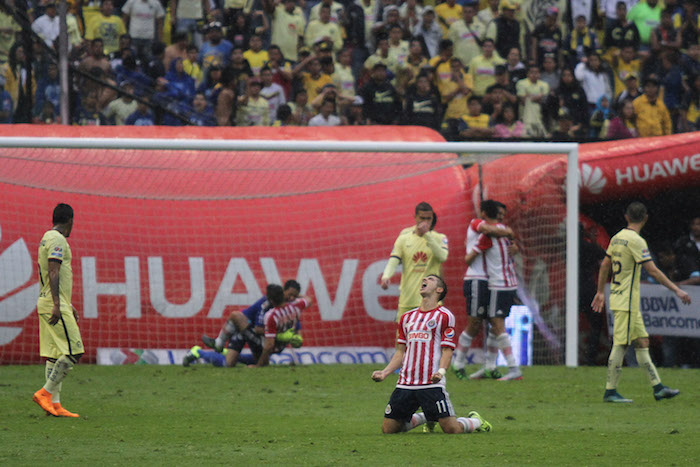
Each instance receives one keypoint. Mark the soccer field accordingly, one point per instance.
(331, 415)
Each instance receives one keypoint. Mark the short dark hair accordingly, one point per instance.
(62, 213)
(442, 284)
(423, 206)
(292, 284)
(490, 208)
(275, 294)
(636, 212)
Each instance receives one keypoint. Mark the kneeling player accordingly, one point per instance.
(424, 346)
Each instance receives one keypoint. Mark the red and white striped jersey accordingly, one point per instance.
(425, 333)
(284, 317)
(499, 265)
(476, 270)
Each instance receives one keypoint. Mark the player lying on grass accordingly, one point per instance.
(424, 346)
(247, 327)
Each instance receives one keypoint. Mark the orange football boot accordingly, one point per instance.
(63, 412)
(43, 398)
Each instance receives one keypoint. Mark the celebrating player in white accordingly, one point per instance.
(424, 346)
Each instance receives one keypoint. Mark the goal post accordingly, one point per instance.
(569, 150)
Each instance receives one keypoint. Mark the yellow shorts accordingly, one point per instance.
(63, 338)
(628, 327)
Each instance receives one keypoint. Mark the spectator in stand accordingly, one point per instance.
(488, 13)
(121, 108)
(398, 48)
(500, 93)
(216, 48)
(129, 71)
(144, 19)
(271, 91)
(532, 92)
(550, 73)
(429, 30)
(580, 43)
(547, 38)
(107, 26)
(336, 11)
(415, 62)
(441, 62)
(690, 35)
(256, 56)
(624, 63)
(88, 114)
(241, 71)
(326, 115)
(474, 124)
(624, 125)
(594, 78)
(301, 110)
(690, 61)
(447, 13)
(565, 130)
(690, 107)
(505, 29)
(178, 49)
(95, 58)
(240, 30)
(141, 117)
(466, 34)
(284, 116)
(354, 114)
(390, 16)
(573, 99)
(653, 118)
(646, 15)
(423, 105)
(253, 109)
(6, 107)
(507, 126)
(515, 67)
(631, 91)
(482, 67)
(48, 90)
(314, 79)
(381, 55)
(323, 29)
(8, 30)
(342, 75)
(688, 245)
(203, 114)
(156, 68)
(185, 15)
(410, 12)
(191, 65)
(288, 25)
(357, 33)
(281, 70)
(665, 37)
(18, 84)
(46, 26)
(180, 84)
(600, 119)
(620, 32)
(454, 90)
(382, 105)
(673, 85)
(225, 107)
(211, 84)
(117, 58)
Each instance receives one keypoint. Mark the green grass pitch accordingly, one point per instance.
(331, 415)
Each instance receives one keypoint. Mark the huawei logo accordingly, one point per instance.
(592, 179)
(16, 300)
(420, 257)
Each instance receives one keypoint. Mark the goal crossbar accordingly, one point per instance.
(572, 179)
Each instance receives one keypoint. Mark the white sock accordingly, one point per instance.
(617, 354)
(225, 334)
(465, 341)
(56, 394)
(647, 365)
(60, 370)
(491, 352)
(416, 420)
(503, 343)
(469, 424)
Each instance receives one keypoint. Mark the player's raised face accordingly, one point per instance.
(428, 286)
(290, 294)
(501, 214)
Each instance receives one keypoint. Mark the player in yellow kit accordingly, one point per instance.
(421, 251)
(59, 336)
(626, 255)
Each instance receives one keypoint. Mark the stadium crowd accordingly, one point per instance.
(472, 69)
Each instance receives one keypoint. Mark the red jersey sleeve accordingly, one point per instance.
(448, 332)
(270, 324)
(483, 243)
(401, 337)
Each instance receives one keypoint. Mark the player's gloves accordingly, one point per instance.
(286, 336)
(296, 341)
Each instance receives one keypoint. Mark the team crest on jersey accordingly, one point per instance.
(450, 333)
(431, 324)
(387, 411)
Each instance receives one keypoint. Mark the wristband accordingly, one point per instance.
(442, 371)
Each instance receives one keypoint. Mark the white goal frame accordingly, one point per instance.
(572, 179)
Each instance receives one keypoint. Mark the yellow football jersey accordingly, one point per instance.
(627, 251)
(418, 261)
(55, 246)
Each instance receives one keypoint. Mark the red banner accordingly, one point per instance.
(167, 243)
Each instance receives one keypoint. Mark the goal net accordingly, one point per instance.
(167, 242)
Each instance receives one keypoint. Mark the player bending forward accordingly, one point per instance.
(424, 346)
